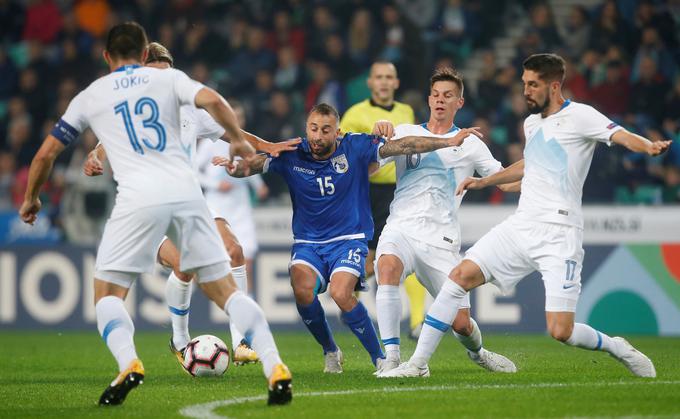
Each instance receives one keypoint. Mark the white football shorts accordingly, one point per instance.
(515, 248)
(432, 265)
(130, 242)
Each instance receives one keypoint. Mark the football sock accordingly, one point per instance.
(358, 320)
(249, 319)
(416, 299)
(241, 279)
(388, 304)
(472, 343)
(438, 321)
(116, 328)
(584, 336)
(314, 318)
(178, 298)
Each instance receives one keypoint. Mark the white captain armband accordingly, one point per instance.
(64, 132)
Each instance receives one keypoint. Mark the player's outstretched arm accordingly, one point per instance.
(224, 115)
(40, 169)
(510, 174)
(511, 187)
(94, 163)
(264, 146)
(639, 144)
(241, 168)
(414, 145)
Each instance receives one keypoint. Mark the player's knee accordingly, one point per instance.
(341, 295)
(303, 295)
(236, 254)
(183, 276)
(388, 274)
(462, 324)
(561, 332)
(463, 277)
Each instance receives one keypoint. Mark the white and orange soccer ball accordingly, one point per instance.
(206, 356)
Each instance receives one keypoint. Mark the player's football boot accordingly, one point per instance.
(244, 354)
(125, 381)
(333, 362)
(406, 370)
(280, 385)
(634, 360)
(179, 354)
(386, 364)
(492, 361)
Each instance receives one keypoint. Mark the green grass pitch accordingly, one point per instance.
(45, 374)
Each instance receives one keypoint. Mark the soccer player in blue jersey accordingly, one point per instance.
(328, 181)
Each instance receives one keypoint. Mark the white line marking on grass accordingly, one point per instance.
(206, 410)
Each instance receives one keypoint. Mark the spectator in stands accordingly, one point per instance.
(652, 46)
(612, 96)
(323, 24)
(8, 76)
(7, 167)
(609, 29)
(43, 21)
(248, 61)
(543, 23)
(289, 74)
(363, 39)
(577, 31)
(284, 35)
(324, 88)
(336, 57)
(648, 93)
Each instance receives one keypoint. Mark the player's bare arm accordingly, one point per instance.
(511, 187)
(223, 114)
(241, 168)
(94, 163)
(264, 146)
(414, 144)
(41, 166)
(509, 175)
(639, 144)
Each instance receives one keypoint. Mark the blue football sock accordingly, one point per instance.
(315, 319)
(357, 319)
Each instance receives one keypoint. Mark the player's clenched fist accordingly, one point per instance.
(29, 211)
(658, 147)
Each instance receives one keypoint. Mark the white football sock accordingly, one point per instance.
(178, 298)
(249, 319)
(438, 321)
(241, 278)
(388, 306)
(584, 336)
(472, 343)
(116, 328)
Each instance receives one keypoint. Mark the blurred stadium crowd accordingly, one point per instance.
(279, 58)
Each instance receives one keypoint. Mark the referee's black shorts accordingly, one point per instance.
(381, 197)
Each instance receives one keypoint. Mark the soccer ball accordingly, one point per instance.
(206, 356)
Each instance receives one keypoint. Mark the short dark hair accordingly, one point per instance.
(550, 67)
(126, 40)
(325, 109)
(447, 74)
(158, 53)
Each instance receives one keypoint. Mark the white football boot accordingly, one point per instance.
(406, 370)
(333, 362)
(634, 360)
(492, 361)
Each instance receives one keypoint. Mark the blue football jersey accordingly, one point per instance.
(330, 197)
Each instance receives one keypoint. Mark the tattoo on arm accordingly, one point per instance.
(413, 145)
(256, 166)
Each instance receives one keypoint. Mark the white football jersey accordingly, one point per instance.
(557, 157)
(233, 205)
(197, 123)
(135, 113)
(425, 206)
